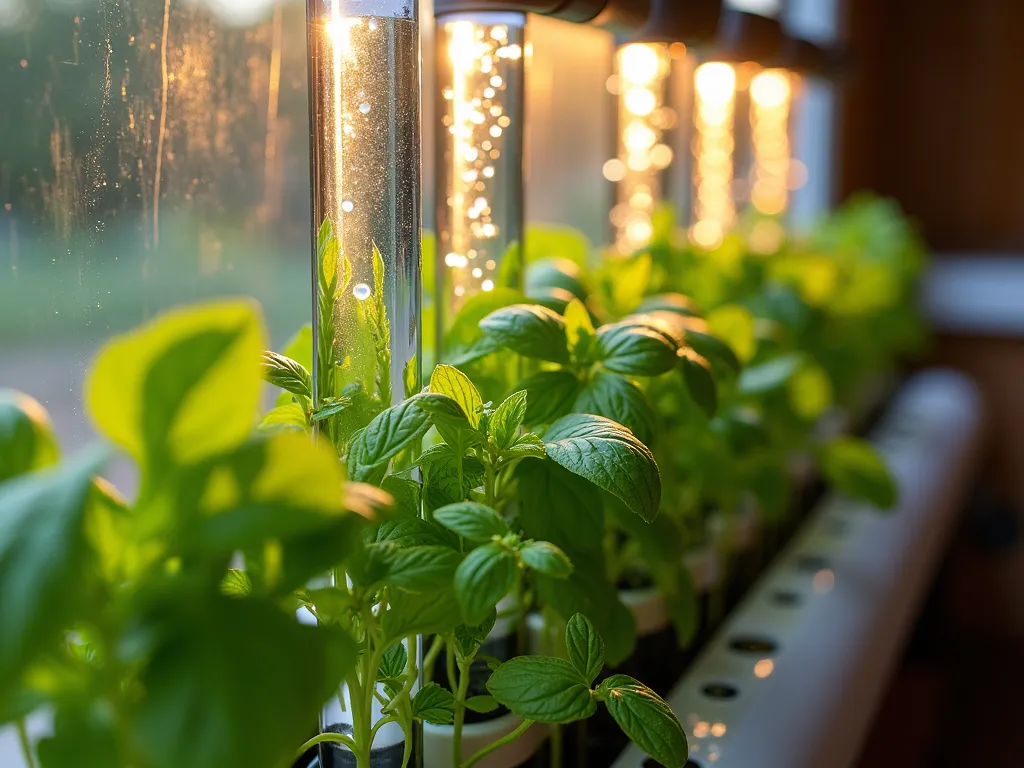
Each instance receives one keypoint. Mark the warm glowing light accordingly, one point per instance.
(641, 83)
(715, 83)
(640, 101)
(482, 59)
(614, 170)
(639, 64)
(701, 729)
(764, 668)
(718, 730)
(770, 93)
(770, 88)
(714, 208)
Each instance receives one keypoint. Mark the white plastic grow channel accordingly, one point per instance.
(794, 677)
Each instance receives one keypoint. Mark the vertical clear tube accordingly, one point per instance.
(714, 209)
(365, 162)
(770, 173)
(641, 84)
(480, 80)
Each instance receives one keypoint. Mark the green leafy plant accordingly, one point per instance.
(124, 618)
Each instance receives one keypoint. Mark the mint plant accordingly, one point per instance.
(445, 573)
(123, 617)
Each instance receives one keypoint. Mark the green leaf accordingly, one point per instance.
(444, 484)
(619, 399)
(530, 330)
(589, 592)
(27, 441)
(475, 522)
(393, 664)
(283, 418)
(236, 583)
(450, 381)
(415, 532)
(855, 469)
(183, 387)
(700, 383)
(331, 406)
(405, 493)
(486, 575)
(555, 274)
(608, 455)
(735, 325)
(234, 682)
(585, 647)
(544, 689)
(431, 613)
(646, 719)
(550, 395)
(558, 506)
(481, 704)
(526, 446)
(390, 432)
(768, 376)
(635, 350)
(630, 281)
(669, 302)
(468, 639)
(422, 568)
(810, 391)
(544, 557)
(42, 560)
(507, 418)
(279, 486)
(327, 252)
(83, 737)
(579, 329)
(713, 349)
(287, 374)
(434, 704)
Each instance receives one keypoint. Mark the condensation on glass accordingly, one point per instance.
(480, 81)
(152, 153)
(365, 162)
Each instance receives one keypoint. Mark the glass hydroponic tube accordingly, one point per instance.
(770, 174)
(641, 85)
(365, 163)
(714, 208)
(480, 78)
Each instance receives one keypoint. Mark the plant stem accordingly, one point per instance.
(460, 712)
(26, 745)
(322, 738)
(450, 652)
(506, 739)
(432, 654)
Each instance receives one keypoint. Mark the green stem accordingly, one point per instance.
(26, 745)
(556, 746)
(460, 712)
(431, 657)
(321, 738)
(450, 653)
(506, 739)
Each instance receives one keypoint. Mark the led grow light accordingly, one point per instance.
(479, 203)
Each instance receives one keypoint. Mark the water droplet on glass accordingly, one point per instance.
(361, 291)
(347, 206)
(364, 107)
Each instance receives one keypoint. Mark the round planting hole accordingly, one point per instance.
(722, 691)
(787, 598)
(757, 644)
(811, 563)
